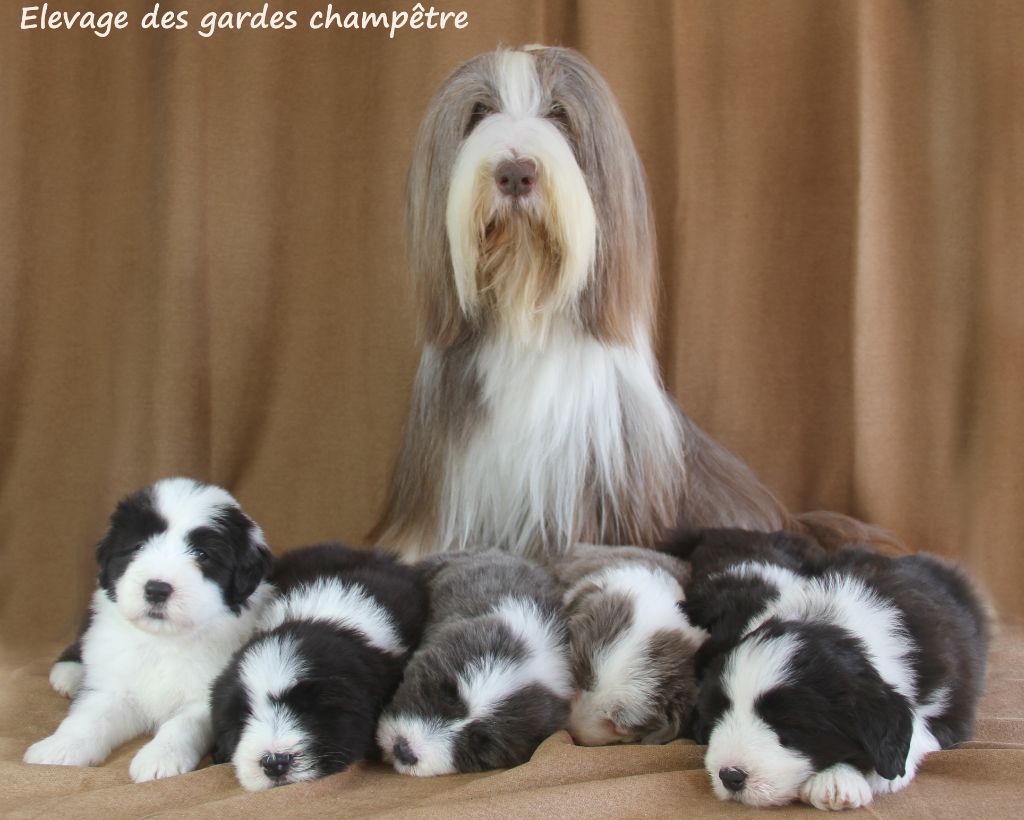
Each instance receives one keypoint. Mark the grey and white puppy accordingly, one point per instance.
(491, 678)
(631, 644)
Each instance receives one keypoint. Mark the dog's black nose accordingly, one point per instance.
(157, 591)
(516, 177)
(732, 779)
(276, 764)
(403, 752)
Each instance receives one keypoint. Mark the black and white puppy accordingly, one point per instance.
(631, 644)
(302, 698)
(845, 679)
(180, 587)
(491, 679)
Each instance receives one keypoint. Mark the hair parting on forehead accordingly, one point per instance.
(619, 300)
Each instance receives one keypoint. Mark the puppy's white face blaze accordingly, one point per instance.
(741, 740)
(167, 558)
(429, 740)
(541, 245)
(624, 682)
(268, 669)
(483, 684)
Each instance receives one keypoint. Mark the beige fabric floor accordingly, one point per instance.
(981, 779)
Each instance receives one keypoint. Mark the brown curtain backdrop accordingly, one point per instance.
(201, 263)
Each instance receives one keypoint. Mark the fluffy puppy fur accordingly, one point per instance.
(302, 698)
(843, 680)
(631, 645)
(180, 587)
(733, 574)
(538, 417)
(491, 679)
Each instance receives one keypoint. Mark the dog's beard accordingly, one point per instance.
(518, 269)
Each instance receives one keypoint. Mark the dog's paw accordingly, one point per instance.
(157, 760)
(66, 677)
(882, 785)
(61, 751)
(837, 787)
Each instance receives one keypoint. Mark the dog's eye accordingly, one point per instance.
(480, 110)
(138, 546)
(558, 113)
(200, 555)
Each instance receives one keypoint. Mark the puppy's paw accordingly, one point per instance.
(156, 760)
(835, 788)
(66, 677)
(62, 751)
(882, 785)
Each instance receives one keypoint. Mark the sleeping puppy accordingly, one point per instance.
(631, 646)
(844, 681)
(180, 586)
(491, 679)
(301, 699)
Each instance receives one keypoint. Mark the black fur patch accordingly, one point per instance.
(134, 521)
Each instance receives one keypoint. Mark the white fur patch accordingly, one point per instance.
(269, 668)
(430, 740)
(347, 606)
(548, 410)
(66, 677)
(779, 577)
(742, 740)
(623, 686)
(838, 787)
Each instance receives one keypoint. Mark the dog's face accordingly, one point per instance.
(791, 700)
(291, 708)
(179, 554)
(631, 650)
(527, 200)
(478, 697)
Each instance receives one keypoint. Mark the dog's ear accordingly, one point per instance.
(104, 549)
(884, 725)
(252, 567)
(253, 559)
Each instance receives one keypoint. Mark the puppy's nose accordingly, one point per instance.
(516, 177)
(732, 778)
(276, 764)
(157, 591)
(403, 752)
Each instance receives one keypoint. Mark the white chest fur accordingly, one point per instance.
(572, 430)
(160, 674)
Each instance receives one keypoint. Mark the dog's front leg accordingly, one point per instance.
(96, 723)
(178, 745)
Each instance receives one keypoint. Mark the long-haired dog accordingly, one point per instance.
(491, 678)
(302, 698)
(848, 670)
(180, 588)
(631, 644)
(538, 417)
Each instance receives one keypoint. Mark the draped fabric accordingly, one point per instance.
(201, 269)
(201, 262)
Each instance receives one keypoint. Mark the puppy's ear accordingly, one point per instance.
(253, 559)
(103, 549)
(252, 567)
(884, 724)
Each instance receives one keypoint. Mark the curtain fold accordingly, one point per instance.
(201, 264)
